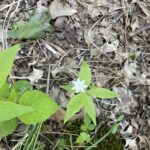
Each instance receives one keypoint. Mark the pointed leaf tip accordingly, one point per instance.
(85, 73)
(102, 93)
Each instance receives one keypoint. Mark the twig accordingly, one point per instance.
(126, 21)
(71, 142)
(6, 24)
(103, 52)
(4, 41)
(132, 34)
(56, 145)
(48, 79)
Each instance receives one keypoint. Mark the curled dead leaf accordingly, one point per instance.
(60, 115)
(35, 76)
(58, 9)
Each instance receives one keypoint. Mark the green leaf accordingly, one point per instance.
(83, 137)
(79, 101)
(21, 86)
(84, 128)
(7, 127)
(62, 144)
(67, 87)
(4, 90)
(6, 62)
(91, 127)
(32, 29)
(92, 86)
(85, 73)
(87, 119)
(102, 93)
(43, 105)
(75, 104)
(90, 108)
(13, 96)
(9, 110)
(87, 124)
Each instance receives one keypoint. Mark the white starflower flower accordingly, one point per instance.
(79, 86)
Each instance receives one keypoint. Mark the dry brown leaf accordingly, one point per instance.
(45, 2)
(80, 115)
(88, 36)
(129, 71)
(59, 115)
(59, 96)
(144, 8)
(93, 11)
(107, 33)
(60, 70)
(135, 24)
(110, 47)
(58, 9)
(35, 76)
(126, 100)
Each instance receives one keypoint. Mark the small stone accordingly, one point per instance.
(59, 23)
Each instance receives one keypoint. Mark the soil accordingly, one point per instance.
(113, 37)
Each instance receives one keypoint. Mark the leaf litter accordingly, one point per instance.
(113, 36)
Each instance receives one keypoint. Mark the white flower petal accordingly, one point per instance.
(79, 86)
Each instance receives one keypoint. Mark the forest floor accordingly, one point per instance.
(113, 36)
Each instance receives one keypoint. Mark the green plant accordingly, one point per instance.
(20, 100)
(86, 128)
(34, 28)
(84, 94)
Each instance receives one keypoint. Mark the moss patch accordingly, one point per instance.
(112, 142)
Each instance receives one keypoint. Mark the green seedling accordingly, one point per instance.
(84, 94)
(20, 100)
(34, 28)
(85, 128)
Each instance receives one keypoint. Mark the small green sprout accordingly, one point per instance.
(84, 94)
(86, 128)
